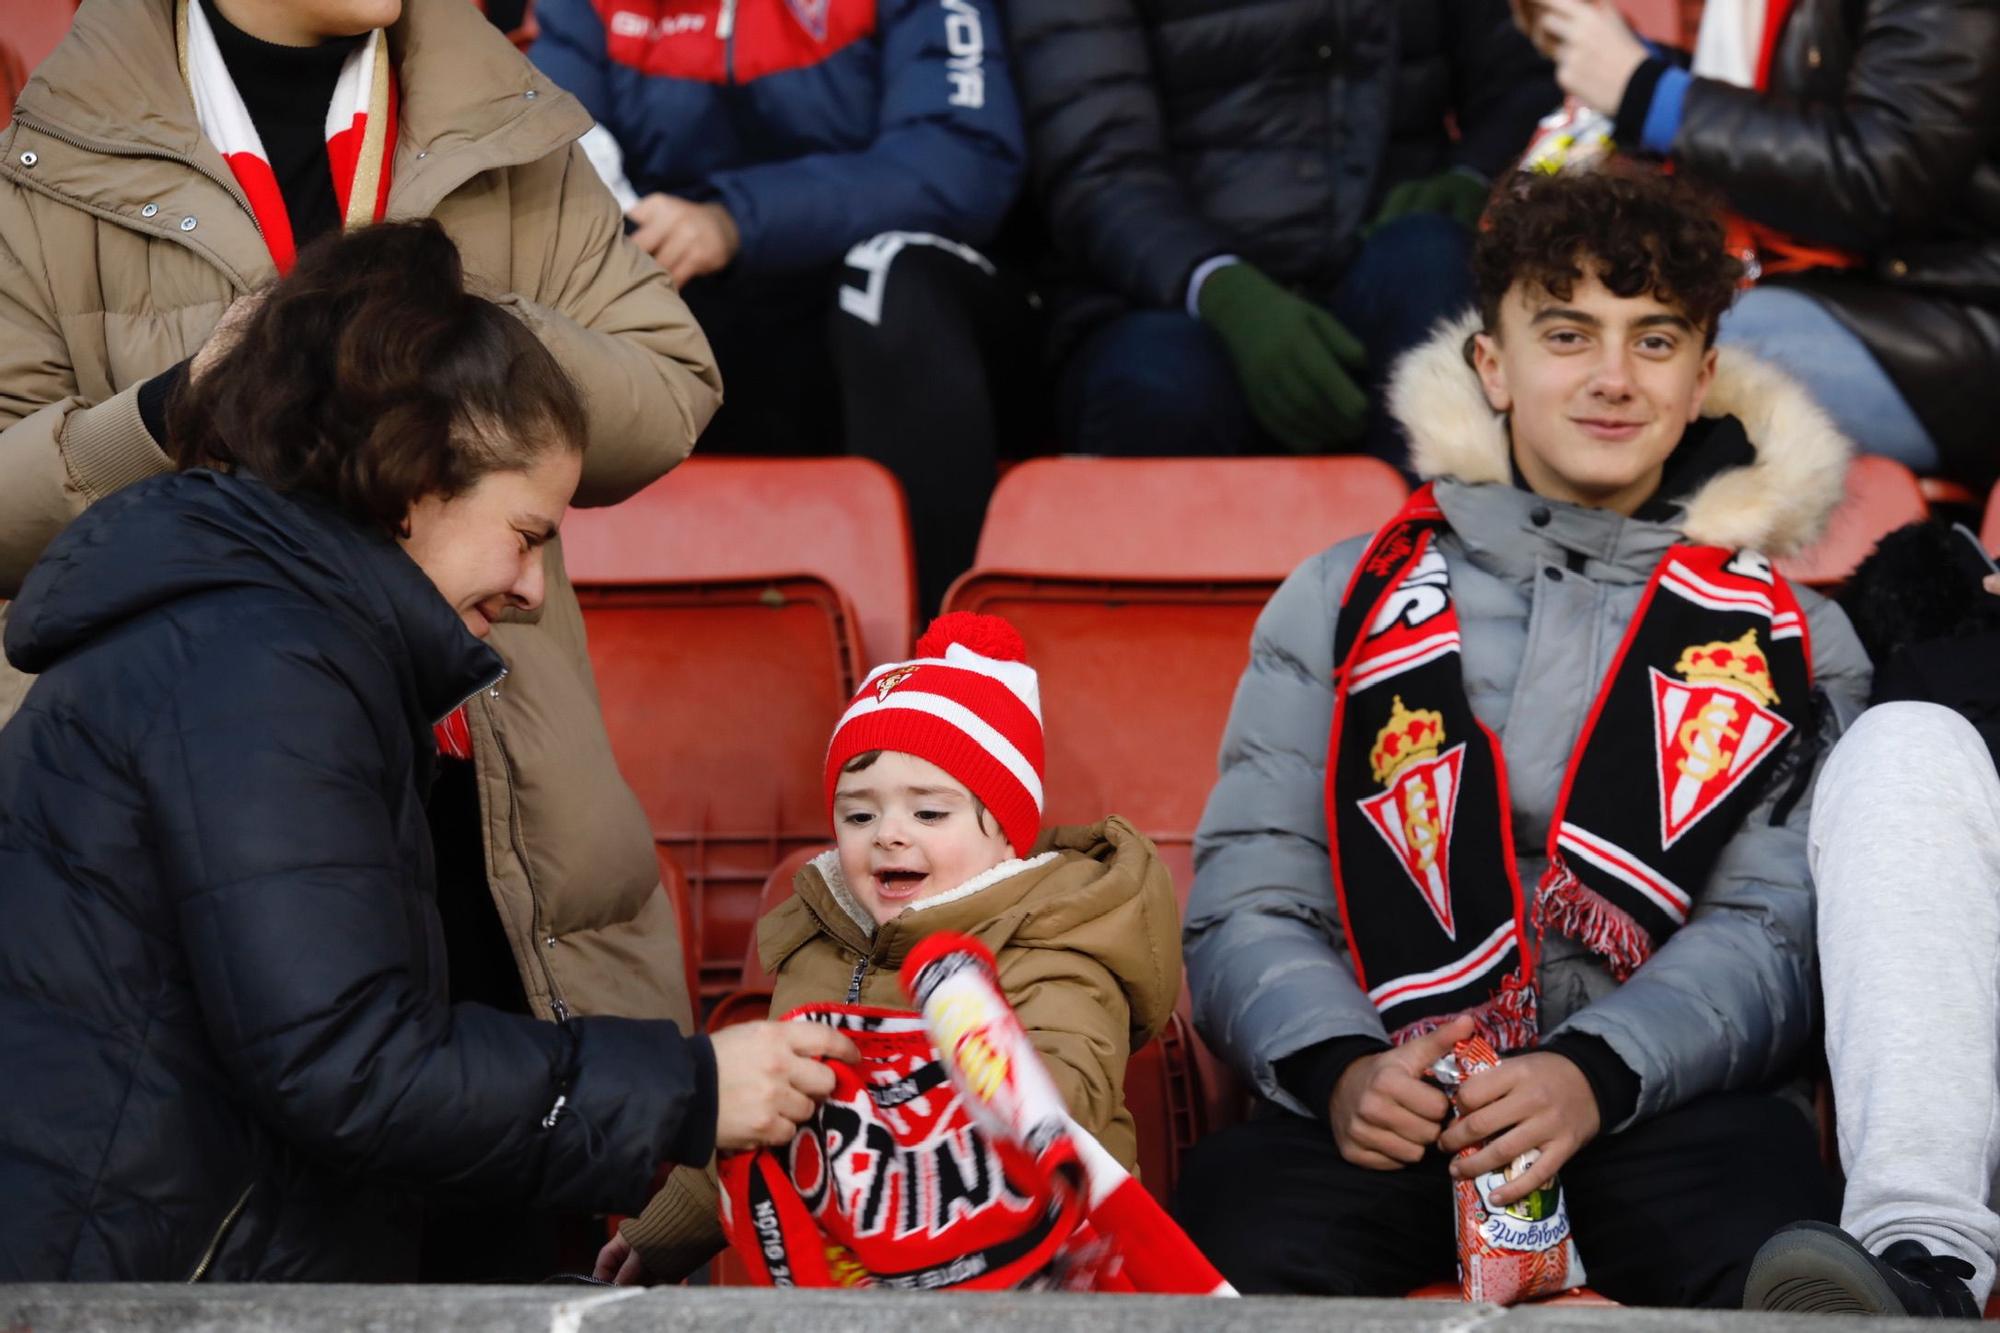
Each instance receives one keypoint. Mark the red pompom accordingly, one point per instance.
(989, 636)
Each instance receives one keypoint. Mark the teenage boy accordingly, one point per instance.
(1535, 760)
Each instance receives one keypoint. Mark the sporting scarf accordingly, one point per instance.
(1707, 688)
(360, 145)
(924, 1171)
(360, 131)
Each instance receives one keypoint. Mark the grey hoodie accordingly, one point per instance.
(1544, 593)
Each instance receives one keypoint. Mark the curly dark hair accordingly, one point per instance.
(370, 377)
(1636, 229)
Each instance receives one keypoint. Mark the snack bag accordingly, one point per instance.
(1522, 1251)
(1570, 138)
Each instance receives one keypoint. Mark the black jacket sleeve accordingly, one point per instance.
(317, 960)
(1921, 109)
(1098, 147)
(1500, 87)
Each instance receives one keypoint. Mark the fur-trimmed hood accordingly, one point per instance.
(1778, 505)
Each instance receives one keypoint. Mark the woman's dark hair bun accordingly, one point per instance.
(371, 376)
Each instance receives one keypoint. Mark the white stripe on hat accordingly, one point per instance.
(1019, 678)
(982, 732)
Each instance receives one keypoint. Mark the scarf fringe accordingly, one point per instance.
(1572, 908)
(1510, 1020)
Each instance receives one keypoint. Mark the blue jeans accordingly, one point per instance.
(1156, 382)
(1801, 337)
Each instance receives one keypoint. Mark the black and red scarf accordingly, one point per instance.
(1706, 690)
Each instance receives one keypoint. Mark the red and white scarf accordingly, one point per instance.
(360, 145)
(1709, 685)
(944, 1159)
(360, 131)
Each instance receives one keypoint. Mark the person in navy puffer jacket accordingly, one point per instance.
(818, 175)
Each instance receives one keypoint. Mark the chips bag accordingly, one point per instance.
(1522, 1251)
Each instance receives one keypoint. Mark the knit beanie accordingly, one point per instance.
(969, 703)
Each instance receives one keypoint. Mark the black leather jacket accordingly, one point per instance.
(1880, 134)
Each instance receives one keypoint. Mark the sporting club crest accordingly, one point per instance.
(888, 681)
(1711, 729)
(1415, 811)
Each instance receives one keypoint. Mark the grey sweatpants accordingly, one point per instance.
(1906, 856)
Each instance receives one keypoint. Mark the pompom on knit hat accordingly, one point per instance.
(967, 702)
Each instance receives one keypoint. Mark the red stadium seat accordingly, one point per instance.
(731, 607)
(1882, 495)
(13, 78)
(1657, 19)
(842, 520)
(1136, 583)
(673, 880)
(29, 30)
(1207, 519)
(719, 698)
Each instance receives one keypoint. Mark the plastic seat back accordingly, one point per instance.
(718, 698)
(1155, 519)
(1882, 495)
(842, 520)
(777, 888)
(673, 882)
(1136, 681)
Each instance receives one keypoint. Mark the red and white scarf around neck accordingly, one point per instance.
(360, 131)
(360, 145)
(1708, 687)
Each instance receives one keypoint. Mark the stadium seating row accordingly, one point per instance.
(734, 606)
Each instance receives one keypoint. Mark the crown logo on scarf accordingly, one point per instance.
(1739, 662)
(1404, 740)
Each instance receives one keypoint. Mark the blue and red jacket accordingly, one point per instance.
(817, 123)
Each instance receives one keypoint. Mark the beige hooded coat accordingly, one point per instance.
(123, 237)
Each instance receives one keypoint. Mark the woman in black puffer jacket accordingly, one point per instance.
(223, 1026)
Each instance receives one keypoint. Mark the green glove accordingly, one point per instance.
(1295, 361)
(1455, 193)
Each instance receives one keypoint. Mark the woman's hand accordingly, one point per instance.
(769, 1078)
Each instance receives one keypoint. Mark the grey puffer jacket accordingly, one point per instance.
(1544, 592)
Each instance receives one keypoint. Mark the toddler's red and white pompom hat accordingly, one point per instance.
(967, 702)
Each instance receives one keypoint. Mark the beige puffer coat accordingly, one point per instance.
(123, 237)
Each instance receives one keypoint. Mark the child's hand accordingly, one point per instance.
(618, 1263)
(769, 1078)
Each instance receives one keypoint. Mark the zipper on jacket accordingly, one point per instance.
(725, 29)
(854, 982)
(565, 1077)
(107, 149)
(540, 940)
(221, 1234)
(491, 687)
